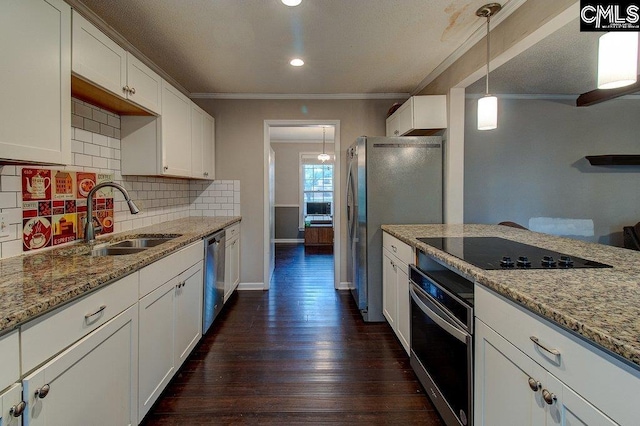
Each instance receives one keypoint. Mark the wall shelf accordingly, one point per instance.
(614, 160)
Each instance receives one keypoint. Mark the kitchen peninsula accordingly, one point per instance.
(573, 333)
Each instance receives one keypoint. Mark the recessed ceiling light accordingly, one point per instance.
(291, 2)
(297, 62)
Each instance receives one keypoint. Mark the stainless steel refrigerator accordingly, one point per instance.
(389, 181)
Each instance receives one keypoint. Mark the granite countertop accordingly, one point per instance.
(600, 305)
(33, 284)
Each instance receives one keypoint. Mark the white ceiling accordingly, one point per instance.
(244, 46)
(301, 134)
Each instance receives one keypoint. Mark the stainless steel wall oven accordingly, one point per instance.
(442, 339)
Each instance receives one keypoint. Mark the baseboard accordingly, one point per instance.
(344, 285)
(250, 286)
(289, 240)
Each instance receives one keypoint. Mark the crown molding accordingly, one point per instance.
(328, 96)
(479, 33)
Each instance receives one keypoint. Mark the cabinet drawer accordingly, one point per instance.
(403, 251)
(232, 232)
(582, 366)
(44, 337)
(159, 272)
(10, 356)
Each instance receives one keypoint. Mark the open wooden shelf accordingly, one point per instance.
(614, 160)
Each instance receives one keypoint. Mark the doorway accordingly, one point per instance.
(299, 142)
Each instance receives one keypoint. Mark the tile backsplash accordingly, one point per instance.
(95, 145)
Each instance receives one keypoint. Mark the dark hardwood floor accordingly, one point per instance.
(298, 353)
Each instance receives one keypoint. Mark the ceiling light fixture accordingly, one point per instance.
(291, 3)
(488, 104)
(617, 59)
(324, 156)
(297, 62)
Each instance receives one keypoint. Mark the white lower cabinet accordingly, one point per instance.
(231, 260)
(396, 306)
(10, 406)
(515, 349)
(170, 327)
(93, 382)
(512, 389)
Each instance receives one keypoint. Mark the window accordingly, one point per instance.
(316, 189)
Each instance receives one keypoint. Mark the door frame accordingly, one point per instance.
(336, 194)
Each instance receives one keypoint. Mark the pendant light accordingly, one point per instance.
(617, 59)
(488, 104)
(324, 156)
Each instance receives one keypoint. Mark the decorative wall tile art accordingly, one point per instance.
(54, 206)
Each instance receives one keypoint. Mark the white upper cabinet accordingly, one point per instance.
(35, 106)
(419, 115)
(98, 59)
(209, 149)
(202, 143)
(175, 132)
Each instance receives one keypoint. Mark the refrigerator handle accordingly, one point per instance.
(349, 207)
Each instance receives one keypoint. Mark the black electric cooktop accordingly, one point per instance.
(499, 253)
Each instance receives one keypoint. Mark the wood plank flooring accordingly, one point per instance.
(296, 354)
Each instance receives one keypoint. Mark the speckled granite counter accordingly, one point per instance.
(601, 305)
(33, 284)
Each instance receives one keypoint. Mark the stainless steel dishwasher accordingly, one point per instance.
(213, 278)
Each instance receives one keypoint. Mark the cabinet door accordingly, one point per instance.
(144, 84)
(10, 399)
(209, 151)
(94, 382)
(197, 141)
(232, 267)
(10, 356)
(157, 319)
(235, 263)
(503, 395)
(389, 289)
(176, 132)
(568, 408)
(97, 58)
(35, 41)
(188, 308)
(403, 317)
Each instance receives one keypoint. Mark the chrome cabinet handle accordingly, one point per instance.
(396, 133)
(395, 249)
(206, 173)
(166, 168)
(534, 384)
(43, 391)
(125, 89)
(549, 397)
(18, 409)
(132, 90)
(535, 340)
(100, 309)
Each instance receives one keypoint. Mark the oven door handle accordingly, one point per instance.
(432, 312)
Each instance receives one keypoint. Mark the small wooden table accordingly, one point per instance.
(319, 237)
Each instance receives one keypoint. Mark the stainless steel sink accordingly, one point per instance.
(141, 242)
(116, 251)
(131, 245)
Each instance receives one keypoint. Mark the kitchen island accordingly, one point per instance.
(551, 345)
(33, 284)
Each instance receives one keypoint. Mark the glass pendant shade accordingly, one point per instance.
(487, 113)
(617, 59)
(324, 157)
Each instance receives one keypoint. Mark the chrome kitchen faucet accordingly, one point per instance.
(89, 229)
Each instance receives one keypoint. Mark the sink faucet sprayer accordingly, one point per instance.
(89, 230)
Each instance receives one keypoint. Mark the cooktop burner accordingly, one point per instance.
(499, 253)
